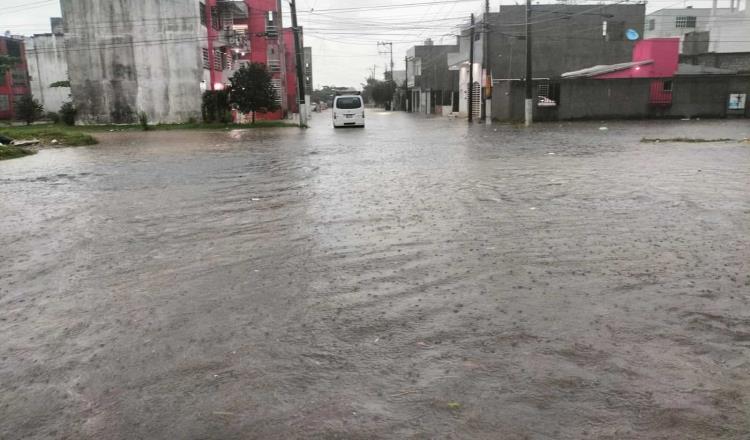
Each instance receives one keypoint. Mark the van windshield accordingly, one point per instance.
(349, 103)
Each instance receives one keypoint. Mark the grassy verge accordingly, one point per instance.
(11, 152)
(80, 135)
(69, 136)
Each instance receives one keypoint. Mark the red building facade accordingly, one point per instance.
(247, 31)
(15, 82)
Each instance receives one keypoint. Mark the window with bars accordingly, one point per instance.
(215, 19)
(19, 77)
(202, 7)
(218, 60)
(685, 21)
(276, 84)
(206, 64)
(4, 103)
(272, 25)
(274, 66)
(548, 95)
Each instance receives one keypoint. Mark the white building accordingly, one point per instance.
(724, 29)
(48, 68)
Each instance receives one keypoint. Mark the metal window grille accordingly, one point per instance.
(218, 57)
(274, 65)
(215, 19)
(206, 64)
(202, 7)
(685, 21)
(272, 28)
(543, 90)
(276, 84)
(477, 100)
(19, 77)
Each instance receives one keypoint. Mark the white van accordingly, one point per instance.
(348, 111)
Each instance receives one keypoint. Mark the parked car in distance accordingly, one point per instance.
(348, 111)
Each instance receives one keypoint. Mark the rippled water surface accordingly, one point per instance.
(418, 279)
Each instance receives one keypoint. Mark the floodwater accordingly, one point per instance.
(418, 279)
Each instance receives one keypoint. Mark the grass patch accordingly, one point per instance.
(79, 135)
(11, 152)
(68, 136)
(683, 140)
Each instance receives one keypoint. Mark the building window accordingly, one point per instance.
(19, 77)
(276, 84)
(418, 67)
(4, 103)
(218, 60)
(667, 86)
(685, 21)
(17, 100)
(206, 63)
(202, 7)
(272, 28)
(215, 19)
(652, 24)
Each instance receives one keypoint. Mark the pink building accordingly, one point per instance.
(248, 31)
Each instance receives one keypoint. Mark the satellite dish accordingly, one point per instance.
(632, 34)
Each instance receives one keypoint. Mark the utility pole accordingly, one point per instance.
(471, 72)
(390, 48)
(302, 101)
(407, 94)
(529, 107)
(487, 69)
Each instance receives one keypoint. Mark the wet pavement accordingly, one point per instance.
(418, 279)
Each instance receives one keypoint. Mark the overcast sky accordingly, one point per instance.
(343, 33)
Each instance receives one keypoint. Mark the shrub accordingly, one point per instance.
(54, 117)
(68, 113)
(143, 120)
(215, 107)
(29, 109)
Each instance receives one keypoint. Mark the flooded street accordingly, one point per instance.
(417, 279)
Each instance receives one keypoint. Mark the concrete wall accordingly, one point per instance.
(732, 61)
(693, 96)
(561, 46)
(48, 64)
(123, 61)
(604, 99)
(706, 96)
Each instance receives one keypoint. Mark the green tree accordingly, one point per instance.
(7, 62)
(379, 92)
(252, 89)
(29, 109)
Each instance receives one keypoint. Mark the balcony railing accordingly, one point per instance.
(235, 39)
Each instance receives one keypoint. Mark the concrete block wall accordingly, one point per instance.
(129, 56)
(47, 63)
